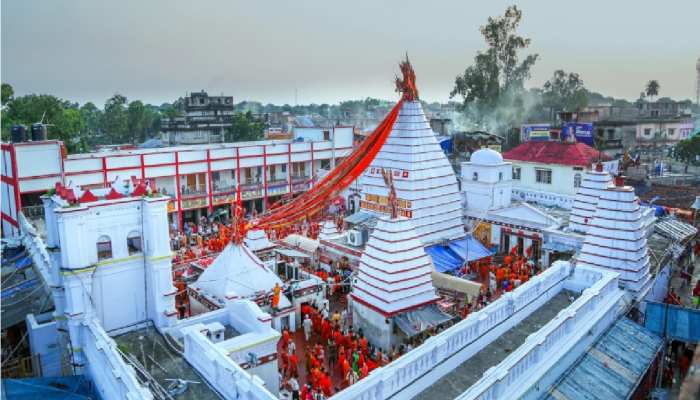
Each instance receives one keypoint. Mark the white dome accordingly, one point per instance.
(486, 156)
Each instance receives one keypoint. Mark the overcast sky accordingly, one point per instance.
(157, 50)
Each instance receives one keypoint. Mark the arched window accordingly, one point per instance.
(104, 248)
(577, 180)
(475, 176)
(133, 242)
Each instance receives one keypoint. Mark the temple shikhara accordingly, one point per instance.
(352, 268)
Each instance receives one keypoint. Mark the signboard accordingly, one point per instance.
(582, 131)
(534, 132)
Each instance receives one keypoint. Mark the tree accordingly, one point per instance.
(688, 150)
(92, 117)
(564, 92)
(71, 129)
(137, 121)
(115, 121)
(244, 127)
(7, 93)
(652, 88)
(491, 89)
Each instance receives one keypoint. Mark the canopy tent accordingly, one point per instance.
(301, 242)
(414, 322)
(236, 273)
(292, 253)
(444, 259)
(469, 249)
(456, 253)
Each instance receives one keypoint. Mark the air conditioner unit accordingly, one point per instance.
(355, 238)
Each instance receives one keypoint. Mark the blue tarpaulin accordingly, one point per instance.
(444, 259)
(456, 253)
(469, 249)
(59, 388)
(681, 323)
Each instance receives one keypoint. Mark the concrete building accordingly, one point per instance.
(550, 172)
(663, 132)
(197, 180)
(203, 119)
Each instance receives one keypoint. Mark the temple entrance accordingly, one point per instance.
(505, 242)
(521, 245)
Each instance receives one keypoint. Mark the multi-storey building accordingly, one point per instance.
(198, 179)
(203, 119)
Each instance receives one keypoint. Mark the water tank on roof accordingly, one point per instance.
(18, 133)
(38, 132)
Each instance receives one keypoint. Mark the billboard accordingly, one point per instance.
(534, 132)
(582, 131)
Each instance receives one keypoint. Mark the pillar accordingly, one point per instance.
(160, 291)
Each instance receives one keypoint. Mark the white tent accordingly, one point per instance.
(237, 273)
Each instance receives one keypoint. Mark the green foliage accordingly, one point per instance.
(7, 93)
(688, 150)
(564, 92)
(137, 121)
(115, 120)
(70, 128)
(652, 88)
(245, 127)
(492, 88)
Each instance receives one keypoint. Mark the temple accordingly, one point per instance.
(616, 238)
(424, 178)
(392, 277)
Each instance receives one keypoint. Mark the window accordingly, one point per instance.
(611, 134)
(133, 243)
(284, 168)
(104, 248)
(475, 176)
(500, 176)
(647, 131)
(326, 135)
(577, 180)
(516, 173)
(543, 176)
(671, 131)
(325, 164)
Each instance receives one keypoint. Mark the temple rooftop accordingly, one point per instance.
(469, 372)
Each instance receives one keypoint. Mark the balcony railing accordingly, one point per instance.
(219, 188)
(193, 191)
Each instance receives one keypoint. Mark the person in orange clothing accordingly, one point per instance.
(341, 359)
(276, 296)
(293, 361)
(363, 344)
(364, 371)
(500, 275)
(346, 372)
(325, 383)
(336, 279)
(284, 367)
(325, 331)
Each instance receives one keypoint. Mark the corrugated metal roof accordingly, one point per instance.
(611, 368)
(675, 229)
